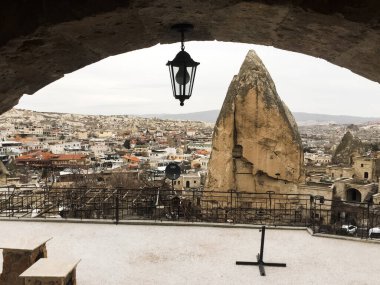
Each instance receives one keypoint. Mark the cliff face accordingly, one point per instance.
(256, 144)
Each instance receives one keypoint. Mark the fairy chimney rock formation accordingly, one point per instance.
(348, 147)
(256, 144)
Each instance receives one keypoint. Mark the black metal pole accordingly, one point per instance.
(262, 243)
(260, 262)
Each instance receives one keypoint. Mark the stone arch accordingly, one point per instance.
(353, 195)
(62, 36)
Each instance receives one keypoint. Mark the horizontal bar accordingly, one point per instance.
(247, 263)
(274, 264)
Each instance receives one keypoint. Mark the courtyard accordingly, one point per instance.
(177, 254)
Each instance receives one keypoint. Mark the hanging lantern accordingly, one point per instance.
(182, 68)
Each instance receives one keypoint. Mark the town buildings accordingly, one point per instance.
(95, 155)
(61, 142)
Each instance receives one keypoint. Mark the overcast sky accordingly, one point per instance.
(138, 83)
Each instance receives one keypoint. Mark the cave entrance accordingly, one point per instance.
(354, 195)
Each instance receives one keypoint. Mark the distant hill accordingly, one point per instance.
(301, 118)
(211, 116)
(205, 116)
(314, 119)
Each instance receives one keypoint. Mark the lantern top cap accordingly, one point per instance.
(182, 27)
(183, 59)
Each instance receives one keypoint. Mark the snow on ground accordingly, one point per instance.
(143, 254)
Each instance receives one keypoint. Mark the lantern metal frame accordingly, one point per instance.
(182, 68)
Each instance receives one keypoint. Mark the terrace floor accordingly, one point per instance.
(149, 254)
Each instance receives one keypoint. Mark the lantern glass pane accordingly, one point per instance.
(176, 85)
(191, 83)
(183, 80)
(172, 79)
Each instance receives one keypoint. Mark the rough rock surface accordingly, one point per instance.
(3, 173)
(256, 144)
(41, 40)
(349, 146)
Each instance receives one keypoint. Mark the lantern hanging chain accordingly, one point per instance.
(182, 40)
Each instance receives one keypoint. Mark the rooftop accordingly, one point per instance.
(150, 254)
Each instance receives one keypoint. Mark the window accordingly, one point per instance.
(366, 174)
(362, 165)
(195, 182)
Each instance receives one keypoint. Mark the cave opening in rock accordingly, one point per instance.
(354, 195)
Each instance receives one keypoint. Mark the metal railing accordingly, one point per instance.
(335, 216)
(159, 204)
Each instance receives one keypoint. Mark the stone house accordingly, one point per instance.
(188, 181)
(366, 168)
(363, 168)
(336, 171)
(353, 190)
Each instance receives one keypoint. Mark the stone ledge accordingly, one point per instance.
(188, 224)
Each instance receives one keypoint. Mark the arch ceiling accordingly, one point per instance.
(42, 40)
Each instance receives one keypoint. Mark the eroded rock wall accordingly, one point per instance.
(256, 144)
(40, 40)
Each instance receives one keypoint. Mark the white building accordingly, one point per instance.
(205, 145)
(317, 158)
(99, 148)
(66, 147)
(188, 181)
(11, 147)
(162, 154)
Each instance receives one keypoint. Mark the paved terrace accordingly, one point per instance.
(149, 254)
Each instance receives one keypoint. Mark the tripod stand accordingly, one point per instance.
(260, 262)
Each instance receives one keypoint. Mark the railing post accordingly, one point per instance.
(117, 207)
(313, 209)
(368, 214)
(9, 204)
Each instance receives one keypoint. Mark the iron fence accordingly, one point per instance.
(344, 218)
(118, 204)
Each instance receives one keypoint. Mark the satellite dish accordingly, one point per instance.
(172, 171)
